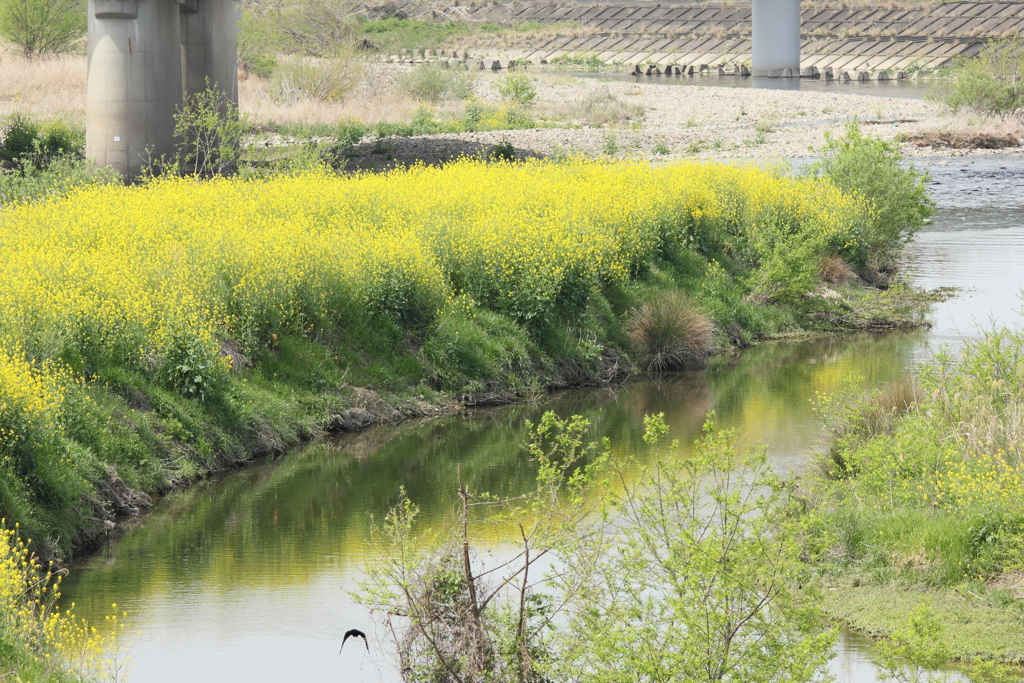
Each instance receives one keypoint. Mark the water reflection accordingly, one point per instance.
(252, 567)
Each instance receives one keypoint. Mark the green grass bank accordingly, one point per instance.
(920, 491)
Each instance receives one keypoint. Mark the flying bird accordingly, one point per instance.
(354, 633)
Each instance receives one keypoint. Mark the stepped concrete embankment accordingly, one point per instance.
(835, 38)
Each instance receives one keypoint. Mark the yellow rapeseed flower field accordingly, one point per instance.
(156, 277)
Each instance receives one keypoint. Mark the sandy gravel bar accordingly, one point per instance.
(692, 121)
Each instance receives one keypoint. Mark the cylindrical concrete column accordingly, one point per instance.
(208, 46)
(775, 37)
(134, 82)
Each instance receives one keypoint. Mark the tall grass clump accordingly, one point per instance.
(924, 480)
(670, 333)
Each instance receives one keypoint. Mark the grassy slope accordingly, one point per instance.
(155, 439)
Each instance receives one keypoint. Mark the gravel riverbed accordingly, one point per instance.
(670, 122)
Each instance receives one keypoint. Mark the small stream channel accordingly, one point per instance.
(245, 577)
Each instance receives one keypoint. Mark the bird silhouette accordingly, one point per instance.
(355, 633)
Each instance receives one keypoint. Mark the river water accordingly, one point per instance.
(905, 89)
(245, 577)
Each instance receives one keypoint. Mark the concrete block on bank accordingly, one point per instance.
(845, 76)
(810, 72)
(417, 53)
(828, 74)
(901, 75)
(428, 53)
(722, 72)
(880, 75)
(495, 65)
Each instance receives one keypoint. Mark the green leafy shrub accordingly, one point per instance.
(504, 151)
(348, 133)
(701, 578)
(211, 131)
(434, 83)
(991, 83)
(192, 365)
(517, 89)
(42, 27)
(873, 168)
(24, 141)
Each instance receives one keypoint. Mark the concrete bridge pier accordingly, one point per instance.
(134, 83)
(208, 47)
(144, 55)
(775, 28)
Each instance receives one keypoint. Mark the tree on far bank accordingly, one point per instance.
(43, 27)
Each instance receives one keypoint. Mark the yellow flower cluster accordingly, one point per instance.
(30, 621)
(124, 263)
(31, 397)
(990, 479)
(150, 275)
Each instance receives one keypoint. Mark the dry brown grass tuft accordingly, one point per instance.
(597, 106)
(670, 333)
(835, 271)
(376, 99)
(44, 87)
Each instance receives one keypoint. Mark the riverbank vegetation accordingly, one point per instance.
(992, 83)
(154, 333)
(921, 486)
